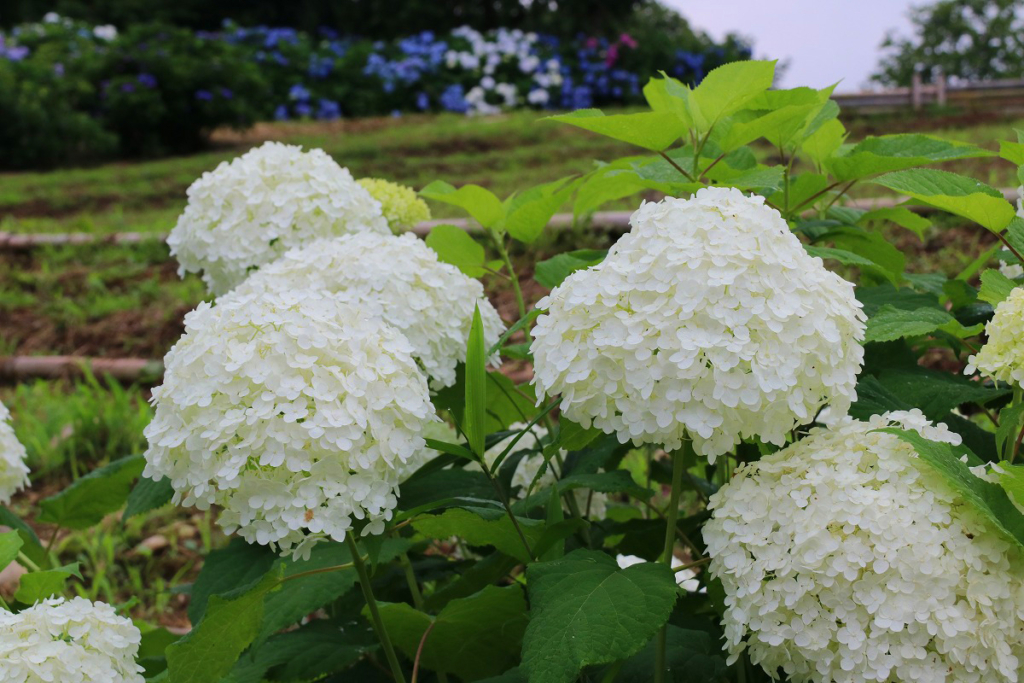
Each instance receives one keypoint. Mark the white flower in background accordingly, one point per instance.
(440, 431)
(708, 318)
(106, 32)
(398, 279)
(248, 212)
(538, 97)
(51, 18)
(1002, 356)
(1011, 270)
(292, 411)
(76, 641)
(532, 475)
(687, 579)
(487, 83)
(13, 471)
(845, 559)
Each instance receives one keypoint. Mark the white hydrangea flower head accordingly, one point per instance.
(1011, 270)
(398, 279)
(402, 207)
(74, 641)
(1002, 356)
(708, 318)
(532, 475)
(292, 411)
(13, 470)
(249, 211)
(846, 559)
(440, 431)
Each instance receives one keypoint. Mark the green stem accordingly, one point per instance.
(513, 278)
(410, 578)
(672, 516)
(24, 560)
(371, 603)
(3, 603)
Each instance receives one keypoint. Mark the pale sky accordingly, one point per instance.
(822, 40)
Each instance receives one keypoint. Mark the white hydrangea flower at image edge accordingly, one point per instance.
(592, 504)
(13, 471)
(249, 211)
(707, 319)
(1002, 356)
(74, 641)
(843, 558)
(398, 279)
(293, 411)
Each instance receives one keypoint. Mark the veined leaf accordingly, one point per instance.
(476, 386)
(99, 493)
(483, 527)
(478, 202)
(148, 495)
(455, 246)
(957, 194)
(727, 89)
(888, 153)
(553, 271)
(995, 287)
(653, 130)
(36, 586)
(899, 215)
(585, 610)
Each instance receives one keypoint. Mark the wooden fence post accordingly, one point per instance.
(915, 91)
(940, 87)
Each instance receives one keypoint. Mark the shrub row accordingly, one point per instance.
(74, 93)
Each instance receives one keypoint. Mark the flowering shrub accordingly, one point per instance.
(857, 514)
(157, 89)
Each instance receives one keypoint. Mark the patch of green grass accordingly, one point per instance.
(70, 428)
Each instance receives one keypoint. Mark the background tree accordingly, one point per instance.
(969, 40)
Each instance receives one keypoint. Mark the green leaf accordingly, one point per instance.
(454, 245)
(10, 546)
(528, 212)
(845, 257)
(476, 387)
(899, 215)
(653, 130)
(888, 153)
(937, 393)
(995, 287)
(148, 495)
(872, 246)
(892, 323)
(305, 654)
(824, 142)
(553, 271)
(670, 95)
(1009, 427)
(477, 201)
(585, 610)
(88, 500)
(212, 647)
(226, 569)
(692, 657)
(779, 127)
(8, 518)
(603, 186)
(727, 89)
(483, 527)
(472, 637)
(990, 500)
(1012, 481)
(36, 586)
(1012, 152)
(954, 193)
(573, 437)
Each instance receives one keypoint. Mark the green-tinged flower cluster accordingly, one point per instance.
(1002, 358)
(400, 205)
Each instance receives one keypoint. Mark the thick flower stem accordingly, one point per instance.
(679, 459)
(371, 603)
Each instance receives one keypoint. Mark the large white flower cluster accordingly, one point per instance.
(249, 211)
(707, 319)
(844, 559)
(1002, 356)
(13, 471)
(532, 475)
(77, 641)
(398, 279)
(293, 411)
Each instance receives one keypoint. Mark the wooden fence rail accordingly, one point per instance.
(1006, 97)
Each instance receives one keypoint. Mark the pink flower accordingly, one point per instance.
(628, 40)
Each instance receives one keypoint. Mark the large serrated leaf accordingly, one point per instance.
(653, 130)
(89, 499)
(147, 495)
(954, 193)
(472, 637)
(478, 202)
(889, 153)
(586, 610)
(454, 246)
